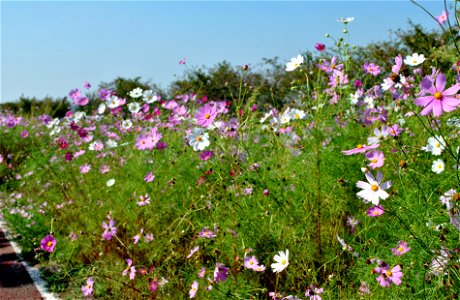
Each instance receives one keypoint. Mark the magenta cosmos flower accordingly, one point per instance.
(48, 243)
(206, 115)
(439, 99)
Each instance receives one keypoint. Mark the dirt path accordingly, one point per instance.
(15, 282)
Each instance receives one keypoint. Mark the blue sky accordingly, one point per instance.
(48, 48)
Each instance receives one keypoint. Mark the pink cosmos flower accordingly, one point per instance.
(48, 243)
(74, 94)
(442, 18)
(313, 292)
(251, 262)
(85, 168)
(394, 130)
(131, 269)
(375, 211)
(206, 115)
(149, 140)
(193, 251)
(360, 149)
(387, 276)
(24, 134)
(193, 289)
(439, 100)
(145, 200)
(376, 159)
(87, 289)
(401, 248)
(182, 61)
(371, 68)
(87, 85)
(109, 229)
(207, 233)
(149, 177)
(202, 272)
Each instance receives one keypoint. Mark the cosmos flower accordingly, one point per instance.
(130, 268)
(206, 115)
(439, 100)
(376, 159)
(193, 289)
(375, 211)
(198, 139)
(438, 166)
(435, 145)
(373, 190)
(387, 276)
(442, 18)
(281, 261)
(109, 229)
(136, 93)
(400, 248)
(87, 289)
(414, 59)
(48, 243)
(294, 63)
(220, 273)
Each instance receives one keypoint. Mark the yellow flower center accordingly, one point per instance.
(199, 138)
(360, 146)
(400, 249)
(283, 262)
(332, 66)
(207, 116)
(389, 273)
(49, 244)
(438, 145)
(374, 160)
(374, 187)
(437, 95)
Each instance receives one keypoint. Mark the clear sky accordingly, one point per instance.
(48, 48)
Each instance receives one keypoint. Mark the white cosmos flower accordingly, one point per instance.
(198, 139)
(101, 108)
(281, 261)
(113, 102)
(374, 189)
(297, 114)
(149, 96)
(126, 124)
(345, 20)
(435, 145)
(110, 182)
(285, 117)
(136, 93)
(134, 107)
(438, 166)
(294, 63)
(414, 59)
(111, 143)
